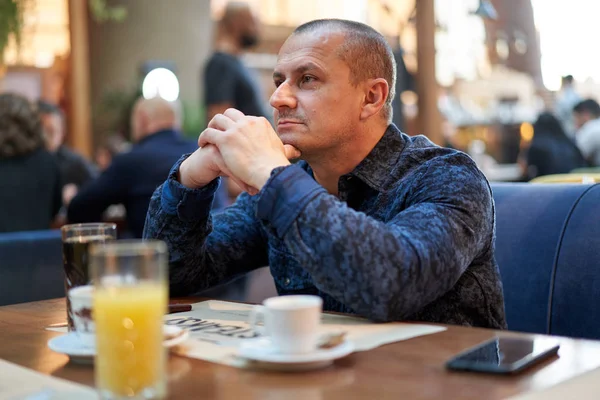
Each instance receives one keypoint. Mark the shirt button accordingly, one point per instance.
(287, 281)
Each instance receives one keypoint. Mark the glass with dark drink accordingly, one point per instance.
(76, 241)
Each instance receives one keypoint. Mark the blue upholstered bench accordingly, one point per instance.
(30, 266)
(548, 251)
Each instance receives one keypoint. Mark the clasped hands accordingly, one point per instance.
(246, 149)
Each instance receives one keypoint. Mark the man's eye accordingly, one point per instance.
(307, 79)
(278, 83)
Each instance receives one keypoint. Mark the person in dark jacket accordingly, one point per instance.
(29, 175)
(551, 151)
(133, 176)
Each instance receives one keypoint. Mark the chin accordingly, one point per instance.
(291, 138)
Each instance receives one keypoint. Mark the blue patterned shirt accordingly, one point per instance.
(410, 236)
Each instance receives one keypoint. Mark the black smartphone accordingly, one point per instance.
(504, 355)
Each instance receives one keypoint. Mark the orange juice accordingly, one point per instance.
(130, 354)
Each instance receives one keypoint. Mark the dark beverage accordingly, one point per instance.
(76, 264)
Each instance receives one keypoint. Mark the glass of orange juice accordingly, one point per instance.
(130, 300)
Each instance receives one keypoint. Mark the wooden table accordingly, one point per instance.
(412, 369)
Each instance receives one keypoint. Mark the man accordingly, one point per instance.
(75, 169)
(227, 81)
(566, 99)
(587, 120)
(133, 176)
(375, 222)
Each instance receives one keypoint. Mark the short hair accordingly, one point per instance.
(20, 127)
(568, 79)
(232, 10)
(588, 105)
(366, 52)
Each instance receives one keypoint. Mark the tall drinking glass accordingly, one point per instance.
(76, 241)
(130, 300)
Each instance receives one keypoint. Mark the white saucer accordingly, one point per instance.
(70, 344)
(261, 350)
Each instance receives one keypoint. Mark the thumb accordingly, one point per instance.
(291, 152)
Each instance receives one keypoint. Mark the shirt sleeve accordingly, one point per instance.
(93, 198)
(383, 270)
(204, 249)
(219, 81)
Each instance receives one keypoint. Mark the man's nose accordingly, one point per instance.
(283, 97)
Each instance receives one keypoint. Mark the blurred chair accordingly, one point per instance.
(568, 178)
(30, 266)
(548, 250)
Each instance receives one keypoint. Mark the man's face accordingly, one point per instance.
(580, 118)
(53, 131)
(315, 104)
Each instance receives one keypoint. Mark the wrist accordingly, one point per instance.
(263, 173)
(185, 178)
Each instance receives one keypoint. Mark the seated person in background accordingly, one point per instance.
(587, 137)
(30, 186)
(74, 168)
(551, 151)
(375, 222)
(133, 176)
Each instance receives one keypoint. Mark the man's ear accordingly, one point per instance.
(376, 94)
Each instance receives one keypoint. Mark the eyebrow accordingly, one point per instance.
(299, 70)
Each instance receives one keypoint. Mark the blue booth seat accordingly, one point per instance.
(548, 251)
(30, 266)
(575, 306)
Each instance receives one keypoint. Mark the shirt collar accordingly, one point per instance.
(375, 169)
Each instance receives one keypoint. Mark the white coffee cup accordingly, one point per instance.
(291, 322)
(82, 303)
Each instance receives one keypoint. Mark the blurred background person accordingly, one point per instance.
(566, 99)
(228, 83)
(29, 175)
(587, 121)
(551, 151)
(132, 177)
(74, 168)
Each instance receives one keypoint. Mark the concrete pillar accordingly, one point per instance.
(176, 31)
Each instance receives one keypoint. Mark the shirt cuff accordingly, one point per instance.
(285, 195)
(188, 204)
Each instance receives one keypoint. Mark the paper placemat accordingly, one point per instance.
(582, 387)
(217, 328)
(20, 383)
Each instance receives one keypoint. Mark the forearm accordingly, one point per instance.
(204, 250)
(377, 269)
(189, 262)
